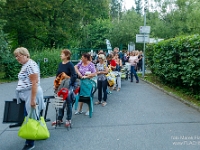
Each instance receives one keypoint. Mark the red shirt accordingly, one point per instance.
(113, 63)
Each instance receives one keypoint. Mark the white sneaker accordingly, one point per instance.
(87, 113)
(78, 112)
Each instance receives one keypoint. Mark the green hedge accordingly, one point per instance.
(177, 61)
(11, 67)
(49, 68)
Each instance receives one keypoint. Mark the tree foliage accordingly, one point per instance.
(78, 23)
(115, 9)
(50, 23)
(4, 41)
(125, 31)
(138, 6)
(96, 33)
(172, 18)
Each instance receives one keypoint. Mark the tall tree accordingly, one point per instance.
(4, 41)
(126, 30)
(116, 9)
(50, 23)
(171, 18)
(97, 33)
(138, 6)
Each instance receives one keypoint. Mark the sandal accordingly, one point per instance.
(118, 89)
(97, 103)
(104, 104)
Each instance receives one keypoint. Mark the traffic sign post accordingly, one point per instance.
(143, 37)
(109, 47)
(145, 29)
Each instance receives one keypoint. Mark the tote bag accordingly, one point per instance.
(111, 79)
(33, 129)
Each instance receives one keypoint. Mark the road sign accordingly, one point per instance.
(109, 47)
(131, 46)
(145, 29)
(141, 38)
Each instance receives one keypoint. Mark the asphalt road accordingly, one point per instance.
(139, 117)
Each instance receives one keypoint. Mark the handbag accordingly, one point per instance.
(33, 129)
(111, 79)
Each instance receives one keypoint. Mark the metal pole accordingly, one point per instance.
(143, 59)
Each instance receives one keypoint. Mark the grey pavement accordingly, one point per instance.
(139, 117)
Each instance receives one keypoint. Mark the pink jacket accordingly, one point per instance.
(133, 60)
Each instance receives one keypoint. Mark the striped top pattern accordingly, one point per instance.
(30, 67)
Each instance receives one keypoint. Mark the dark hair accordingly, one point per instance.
(115, 54)
(67, 53)
(87, 56)
(110, 56)
(101, 52)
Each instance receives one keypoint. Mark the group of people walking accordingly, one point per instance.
(29, 90)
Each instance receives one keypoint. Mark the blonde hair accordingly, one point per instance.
(22, 51)
(102, 56)
(132, 53)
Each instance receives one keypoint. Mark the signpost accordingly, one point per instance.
(143, 37)
(109, 48)
(145, 29)
(131, 46)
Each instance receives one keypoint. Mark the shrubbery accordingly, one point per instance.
(49, 68)
(177, 62)
(4, 46)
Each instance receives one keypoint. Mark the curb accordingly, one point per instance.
(171, 94)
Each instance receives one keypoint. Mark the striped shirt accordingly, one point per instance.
(30, 67)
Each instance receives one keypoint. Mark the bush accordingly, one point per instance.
(47, 68)
(177, 61)
(5, 48)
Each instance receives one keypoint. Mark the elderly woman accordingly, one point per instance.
(67, 67)
(102, 70)
(28, 87)
(85, 69)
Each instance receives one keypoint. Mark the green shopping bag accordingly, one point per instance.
(33, 129)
